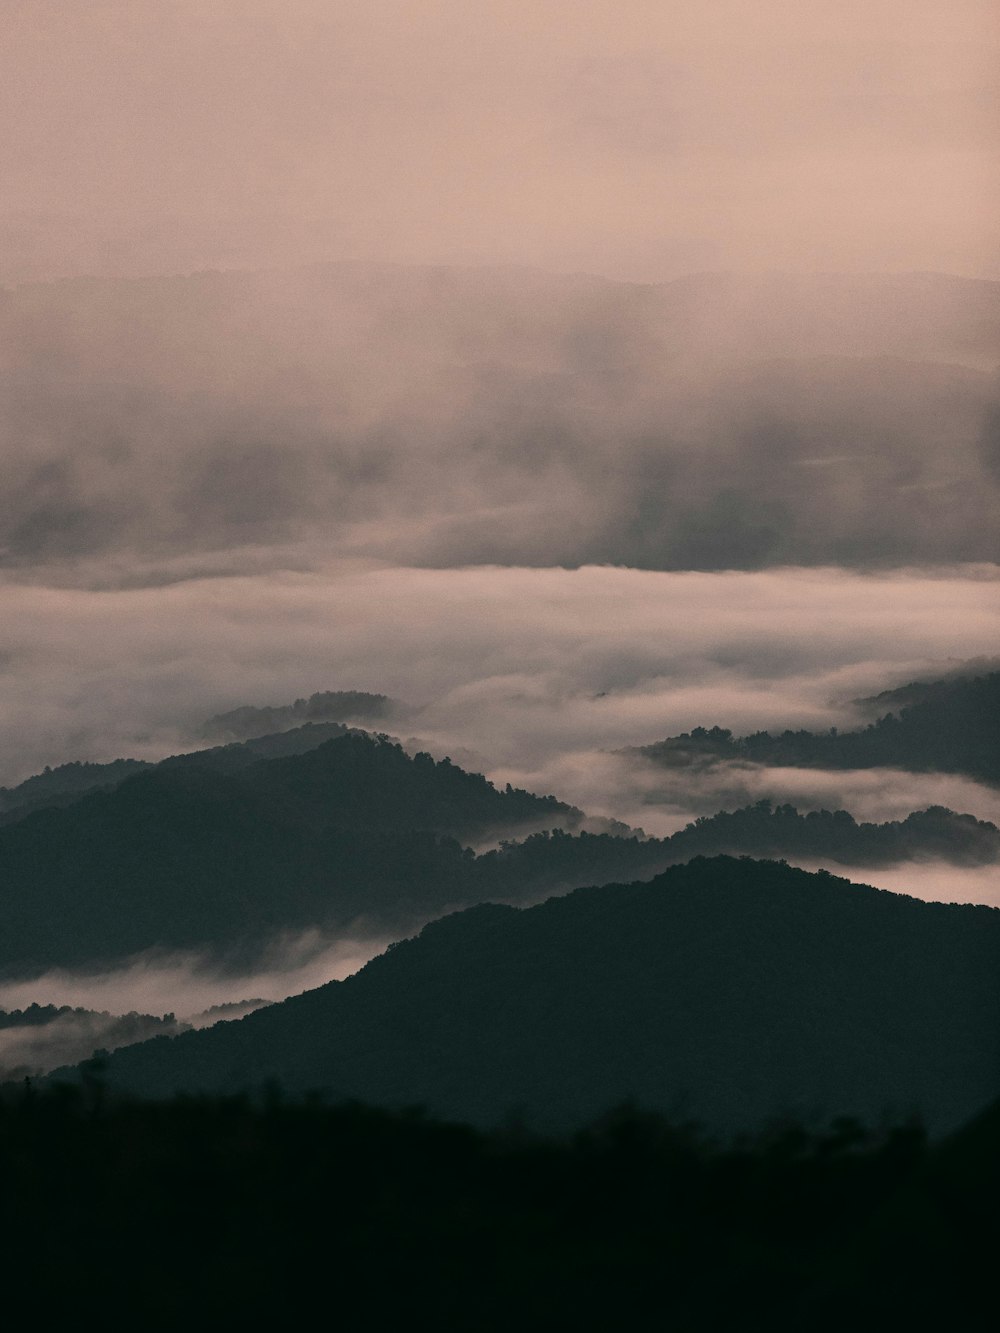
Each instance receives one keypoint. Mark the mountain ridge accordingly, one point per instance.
(740, 989)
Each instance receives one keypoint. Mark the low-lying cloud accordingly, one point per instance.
(31, 1047)
(188, 985)
(509, 669)
(660, 801)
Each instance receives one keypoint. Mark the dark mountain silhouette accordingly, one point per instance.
(364, 782)
(241, 724)
(225, 849)
(764, 829)
(734, 989)
(917, 691)
(952, 726)
(520, 871)
(65, 784)
(226, 852)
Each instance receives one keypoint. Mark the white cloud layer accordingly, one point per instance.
(526, 674)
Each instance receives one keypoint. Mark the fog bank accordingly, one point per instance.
(160, 429)
(187, 985)
(507, 670)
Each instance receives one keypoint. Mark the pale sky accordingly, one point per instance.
(636, 138)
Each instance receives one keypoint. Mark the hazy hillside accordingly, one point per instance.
(227, 850)
(246, 722)
(66, 783)
(227, 854)
(951, 726)
(767, 830)
(36, 1039)
(729, 990)
(63, 785)
(558, 860)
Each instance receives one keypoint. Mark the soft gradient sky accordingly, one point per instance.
(636, 138)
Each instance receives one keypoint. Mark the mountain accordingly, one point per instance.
(764, 829)
(224, 851)
(65, 784)
(246, 722)
(951, 726)
(227, 852)
(730, 990)
(558, 860)
(361, 782)
(918, 691)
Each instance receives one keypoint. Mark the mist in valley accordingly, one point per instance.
(572, 382)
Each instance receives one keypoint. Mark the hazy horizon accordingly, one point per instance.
(641, 140)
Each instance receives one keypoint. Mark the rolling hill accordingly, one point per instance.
(226, 851)
(731, 991)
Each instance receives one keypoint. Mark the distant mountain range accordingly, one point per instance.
(729, 991)
(945, 726)
(951, 725)
(224, 851)
(66, 783)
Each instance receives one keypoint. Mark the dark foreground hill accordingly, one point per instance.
(952, 726)
(731, 990)
(209, 1214)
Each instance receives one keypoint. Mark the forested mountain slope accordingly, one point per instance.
(223, 853)
(731, 990)
(189, 855)
(66, 783)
